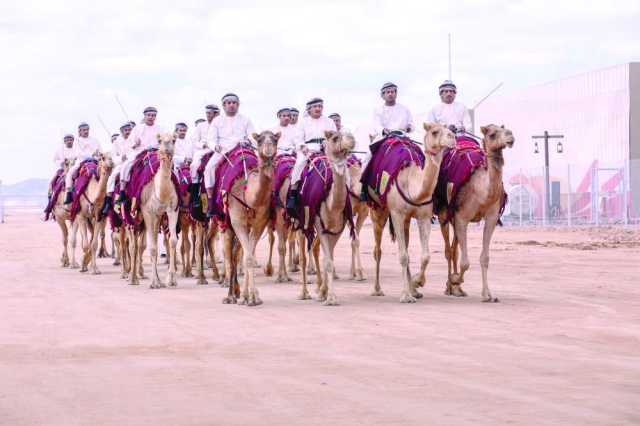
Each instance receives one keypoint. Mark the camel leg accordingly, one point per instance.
(315, 257)
(84, 245)
(379, 219)
(116, 253)
(74, 238)
(199, 250)
(406, 296)
(460, 230)
(229, 270)
(444, 229)
(95, 241)
(311, 268)
(302, 241)
(142, 246)
(294, 257)
(151, 222)
(134, 254)
(212, 237)
(64, 260)
(357, 272)
(173, 242)
(124, 252)
(250, 243)
(424, 227)
(187, 264)
(490, 222)
(268, 268)
(282, 251)
(327, 294)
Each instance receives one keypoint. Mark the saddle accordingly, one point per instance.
(315, 184)
(388, 157)
(457, 167)
(88, 170)
(283, 167)
(56, 186)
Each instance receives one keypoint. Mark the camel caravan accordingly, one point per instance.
(215, 195)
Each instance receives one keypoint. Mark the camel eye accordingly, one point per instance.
(435, 132)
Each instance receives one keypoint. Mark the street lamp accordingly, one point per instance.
(559, 148)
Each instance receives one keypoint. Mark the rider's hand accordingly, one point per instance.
(385, 132)
(217, 148)
(461, 129)
(305, 150)
(452, 128)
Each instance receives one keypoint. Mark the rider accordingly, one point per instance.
(201, 146)
(119, 156)
(391, 116)
(288, 132)
(183, 151)
(310, 140)
(85, 148)
(65, 152)
(337, 120)
(450, 113)
(227, 131)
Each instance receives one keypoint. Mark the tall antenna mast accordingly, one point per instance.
(449, 56)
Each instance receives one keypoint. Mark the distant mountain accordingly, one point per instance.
(26, 188)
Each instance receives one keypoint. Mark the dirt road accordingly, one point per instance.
(562, 347)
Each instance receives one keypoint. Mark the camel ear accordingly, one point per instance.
(484, 129)
(502, 126)
(159, 137)
(328, 134)
(254, 135)
(427, 126)
(277, 136)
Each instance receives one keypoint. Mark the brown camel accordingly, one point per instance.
(88, 219)
(186, 226)
(249, 212)
(418, 184)
(480, 198)
(158, 197)
(331, 214)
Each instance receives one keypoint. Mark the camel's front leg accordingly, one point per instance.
(152, 222)
(282, 251)
(460, 230)
(268, 267)
(424, 227)
(490, 222)
(64, 260)
(379, 218)
(444, 230)
(199, 250)
(357, 272)
(294, 258)
(327, 294)
(406, 296)
(229, 270)
(212, 238)
(74, 238)
(302, 241)
(95, 241)
(173, 242)
(315, 254)
(249, 239)
(134, 254)
(84, 237)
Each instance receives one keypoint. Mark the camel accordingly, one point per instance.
(88, 218)
(204, 238)
(418, 184)
(480, 198)
(186, 226)
(249, 212)
(360, 212)
(61, 216)
(330, 221)
(158, 197)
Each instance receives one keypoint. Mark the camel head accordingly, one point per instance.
(437, 137)
(166, 145)
(267, 145)
(338, 145)
(496, 138)
(105, 163)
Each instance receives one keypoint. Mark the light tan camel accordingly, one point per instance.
(331, 213)
(418, 184)
(204, 242)
(88, 219)
(360, 212)
(61, 216)
(249, 212)
(480, 198)
(158, 197)
(186, 226)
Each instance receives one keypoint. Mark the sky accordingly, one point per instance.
(65, 62)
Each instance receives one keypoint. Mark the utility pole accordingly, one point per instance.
(547, 196)
(449, 56)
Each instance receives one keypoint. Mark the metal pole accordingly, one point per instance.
(546, 175)
(544, 205)
(449, 56)
(569, 195)
(625, 215)
(596, 203)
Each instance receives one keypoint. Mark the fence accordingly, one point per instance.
(573, 195)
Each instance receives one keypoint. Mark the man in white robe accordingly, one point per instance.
(86, 148)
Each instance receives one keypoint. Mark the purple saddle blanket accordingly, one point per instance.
(283, 166)
(88, 170)
(56, 187)
(315, 184)
(388, 157)
(144, 168)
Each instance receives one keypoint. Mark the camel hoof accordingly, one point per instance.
(224, 284)
(360, 276)
(283, 279)
(417, 295)
(83, 269)
(407, 298)
(254, 301)
(304, 296)
(201, 281)
(74, 266)
(294, 268)
(311, 272)
(124, 276)
(268, 270)
(331, 300)
(335, 276)
(321, 298)
(491, 300)
(134, 282)
(155, 285)
(116, 263)
(96, 272)
(229, 300)
(377, 293)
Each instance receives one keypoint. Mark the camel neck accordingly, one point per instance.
(162, 181)
(495, 161)
(258, 192)
(338, 193)
(428, 177)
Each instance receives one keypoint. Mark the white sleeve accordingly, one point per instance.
(249, 130)
(58, 157)
(213, 135)
(377, 121)
(299, 138)
(331, 125)
(466, 120)
(431, 117)
(410, 121)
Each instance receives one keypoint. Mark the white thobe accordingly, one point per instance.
(394, 117)
(288, 141)
(310, 128)
(226, 133)
(142, 137)
(64, 153)
(454, 114)
(183, 150)
(84, 148)
(202, 144)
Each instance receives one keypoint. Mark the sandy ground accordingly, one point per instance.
(562, 347)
